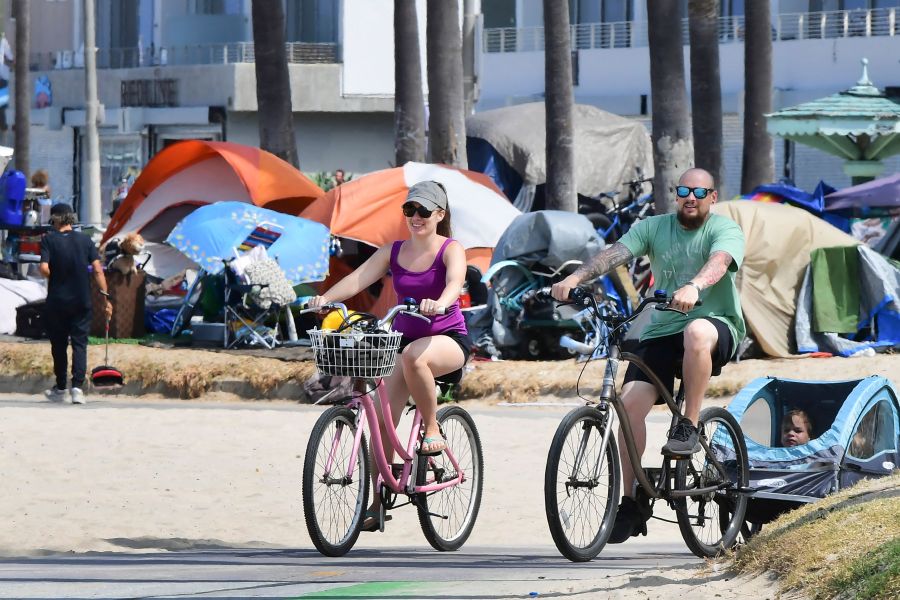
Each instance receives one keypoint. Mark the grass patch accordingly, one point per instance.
(874, 576)
(843, 546)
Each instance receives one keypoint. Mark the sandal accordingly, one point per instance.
(428, 441)
(370, 521)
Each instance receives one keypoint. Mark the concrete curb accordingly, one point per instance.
(21, 384)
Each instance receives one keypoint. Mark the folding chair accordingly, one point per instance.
(245, 319)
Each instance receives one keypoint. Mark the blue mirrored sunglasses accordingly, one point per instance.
(700, 193)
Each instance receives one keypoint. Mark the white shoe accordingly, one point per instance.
(55, 394)
(78, 396)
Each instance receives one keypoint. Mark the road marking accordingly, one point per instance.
(376, 589)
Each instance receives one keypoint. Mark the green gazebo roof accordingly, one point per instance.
(858, 124)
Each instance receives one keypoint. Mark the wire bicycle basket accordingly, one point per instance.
(354, 353)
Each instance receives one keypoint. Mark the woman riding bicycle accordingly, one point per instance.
(430, 267)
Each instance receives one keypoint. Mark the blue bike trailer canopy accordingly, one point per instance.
(855, 427)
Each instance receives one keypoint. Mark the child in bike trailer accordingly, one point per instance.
(695, 254)
(431, 267)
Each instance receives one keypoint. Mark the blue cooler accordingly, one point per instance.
(12, 197)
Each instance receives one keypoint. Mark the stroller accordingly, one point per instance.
(855, 435)
(536, 250)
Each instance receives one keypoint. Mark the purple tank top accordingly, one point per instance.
(429, 283)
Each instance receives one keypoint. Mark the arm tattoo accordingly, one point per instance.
(604, 261)
(714, 269)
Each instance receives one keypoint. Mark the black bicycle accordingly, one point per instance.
(582, 479)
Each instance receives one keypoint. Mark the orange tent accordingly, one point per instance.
(192, 173)
(367, 209)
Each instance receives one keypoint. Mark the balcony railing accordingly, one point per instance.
(633, 34)
(206, 54)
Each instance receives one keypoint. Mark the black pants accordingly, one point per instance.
(63, 324)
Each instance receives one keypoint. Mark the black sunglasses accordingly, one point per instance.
(409, 209)
(700, 193)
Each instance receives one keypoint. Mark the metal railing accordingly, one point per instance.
(633, 34)
(205, 54)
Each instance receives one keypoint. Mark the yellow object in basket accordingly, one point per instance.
(334, 319)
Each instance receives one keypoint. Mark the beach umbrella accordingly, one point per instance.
(223, 230)
(367, 209)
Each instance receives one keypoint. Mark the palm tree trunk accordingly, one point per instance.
(758, 165)
(672, 149)
(706, 89)
(560, 191)
(273, 84)
(409, 103)
(22, 99)
(446, 105)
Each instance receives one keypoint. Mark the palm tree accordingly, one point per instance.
(446, 105)
(560, 191)
(409, 103)
(758, 165)
(672, 149)
(23, 88)
(273, 84)
(706, 90)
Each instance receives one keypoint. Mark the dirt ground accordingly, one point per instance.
(190, 373)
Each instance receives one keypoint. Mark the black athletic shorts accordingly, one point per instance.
(662, 354)
(462, 340)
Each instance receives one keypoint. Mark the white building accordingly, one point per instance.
(175, 69)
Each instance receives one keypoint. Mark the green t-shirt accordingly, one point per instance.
(677, 255)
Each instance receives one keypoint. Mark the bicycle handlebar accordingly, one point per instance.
(583, 297)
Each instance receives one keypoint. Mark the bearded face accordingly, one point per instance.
(693, 211)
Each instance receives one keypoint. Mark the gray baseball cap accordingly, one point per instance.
(429, 194)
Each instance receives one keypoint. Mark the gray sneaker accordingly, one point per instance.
(683, 441)
(55, 394)
(78, 396)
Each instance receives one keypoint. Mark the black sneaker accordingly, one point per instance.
(683, 440)
(630, 521)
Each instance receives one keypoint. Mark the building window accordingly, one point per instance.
(314, 21)
(215, 7)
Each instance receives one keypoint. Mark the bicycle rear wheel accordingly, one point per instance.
(581, 485)
(447, 516)
(710, 522)
(334, 500)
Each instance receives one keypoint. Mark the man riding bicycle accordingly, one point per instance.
(695, 254)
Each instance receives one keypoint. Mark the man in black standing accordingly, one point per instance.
(67, 259)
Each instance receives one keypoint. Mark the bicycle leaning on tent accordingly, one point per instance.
(444, 487)
(582, 478)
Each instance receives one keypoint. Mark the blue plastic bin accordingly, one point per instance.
(12, 197)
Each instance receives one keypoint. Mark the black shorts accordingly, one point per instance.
(662, 354)
(462, 340)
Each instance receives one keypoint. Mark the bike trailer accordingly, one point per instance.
(855, 435)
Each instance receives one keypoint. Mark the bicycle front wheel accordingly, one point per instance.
(711, 521)
(581, 485)
(447, 516)
(335, 482)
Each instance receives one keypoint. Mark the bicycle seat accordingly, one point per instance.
(716, 370)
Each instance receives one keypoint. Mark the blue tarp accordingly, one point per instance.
(485, 159)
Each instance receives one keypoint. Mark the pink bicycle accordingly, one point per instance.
(445, 488)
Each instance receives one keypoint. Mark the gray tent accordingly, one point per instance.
(608, 148)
